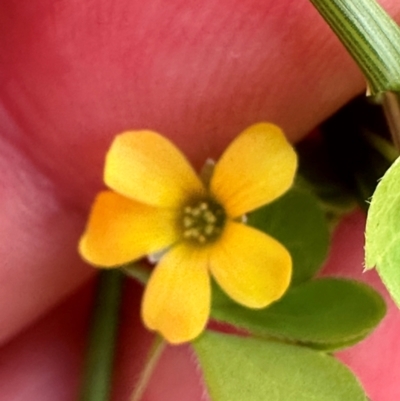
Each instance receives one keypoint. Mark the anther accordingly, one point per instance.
(203, 206)
(209, 217)
(209, 229)
(196, 212)
(188, 221)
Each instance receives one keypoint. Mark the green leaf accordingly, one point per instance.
(326, 314)
(382, 248)
(298, 222)
(246, 369)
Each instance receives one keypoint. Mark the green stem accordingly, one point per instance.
(381, 145)
(370, 36)
(391, 107)
(96, 384)
(152, 360)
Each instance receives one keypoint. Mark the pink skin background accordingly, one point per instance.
(72, 75)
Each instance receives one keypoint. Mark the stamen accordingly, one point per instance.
(202, 221)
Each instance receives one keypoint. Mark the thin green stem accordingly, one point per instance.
(371, 37)
(151, 363)
(384, 147)
(391, 107)
(96, 385)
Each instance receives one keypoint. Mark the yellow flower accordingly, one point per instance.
(158, 203)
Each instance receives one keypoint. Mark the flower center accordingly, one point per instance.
(202, 221)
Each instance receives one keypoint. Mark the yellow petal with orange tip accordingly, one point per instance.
(120, 230)
(251, 267)
(256, 168)
(146, 167)
(177, 297)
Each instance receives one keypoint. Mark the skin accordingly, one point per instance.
(74, 74)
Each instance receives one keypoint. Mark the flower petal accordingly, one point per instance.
(147, 167)
(256, 168)
(177, 297)
(120, 230)
(252, 268)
